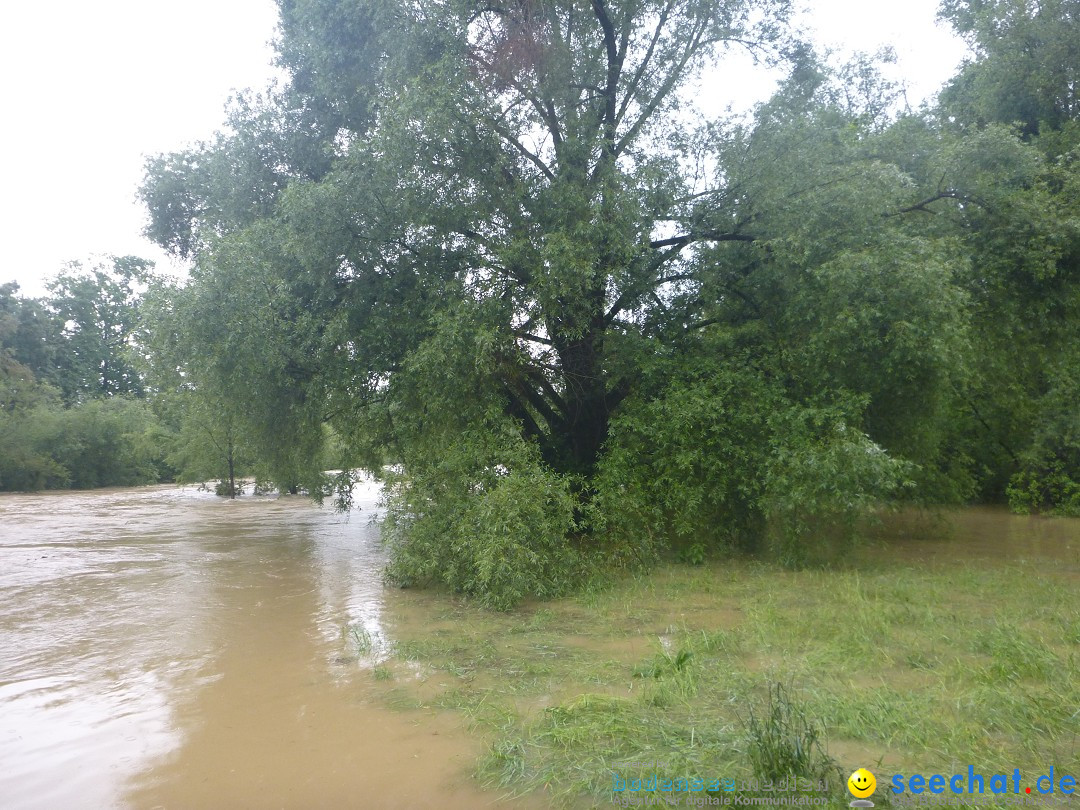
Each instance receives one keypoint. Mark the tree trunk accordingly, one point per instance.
(232, 472)
(585, 394)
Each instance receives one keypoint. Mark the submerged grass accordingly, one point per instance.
(731, 672)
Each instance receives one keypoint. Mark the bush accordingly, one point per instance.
(1046, 488)
(100, 443)
(495, 529)
(824, 475)
(725, 460)
(1049, 478)
(684, 471)
(25, 464)
(105, 443)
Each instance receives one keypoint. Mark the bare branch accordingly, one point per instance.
(533, 338)
(533, 158)
(676, 277)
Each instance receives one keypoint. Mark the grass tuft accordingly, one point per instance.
(785, 743)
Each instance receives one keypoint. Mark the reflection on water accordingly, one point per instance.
(166, 648)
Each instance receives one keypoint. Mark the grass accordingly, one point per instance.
(783, 742)
(361, 639)
(737, 672)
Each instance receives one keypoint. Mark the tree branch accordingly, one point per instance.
(711, 236)
(534, 159)
(614, 69)
(636, 80)
(546, 112)
(554, 419)
(538, 377)
(948, 194)
(532, 337)
(665, 88)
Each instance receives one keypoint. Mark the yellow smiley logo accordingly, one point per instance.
(862, 784)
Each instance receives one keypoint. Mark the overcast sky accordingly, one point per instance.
(89, 89)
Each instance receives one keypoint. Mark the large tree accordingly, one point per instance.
(1024, 67)
(510, 227)
(529, 159)
(75, 342)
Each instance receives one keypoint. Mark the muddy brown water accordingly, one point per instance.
(980, 535)
(163, 648)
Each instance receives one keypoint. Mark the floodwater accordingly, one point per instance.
(164, 648)
(979, 534)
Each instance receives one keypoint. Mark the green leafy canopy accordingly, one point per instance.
(497, 245)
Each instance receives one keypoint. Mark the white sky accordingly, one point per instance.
(89, 89)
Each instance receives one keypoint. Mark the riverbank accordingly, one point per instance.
(942, 645)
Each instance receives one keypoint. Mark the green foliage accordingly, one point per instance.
(473, 506)
(489, 520)
(1049, 477)
(725, 459)
(96, 310)
(29, 335)
(113, 442)
(206, 443)
(688, 466)
(25, 463)
(81, 339)
(1022, 231)
(109, 442)
(1050, 489)
(1024, 67)
(887, 321)
(497, 247)
(440, 201)
(822, 479)
(221, 355)
(666, 665)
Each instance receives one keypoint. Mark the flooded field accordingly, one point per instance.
(163, 648)
(980, 534)
(166, 648)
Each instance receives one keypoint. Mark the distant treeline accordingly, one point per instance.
(73, 408)
(80, 405)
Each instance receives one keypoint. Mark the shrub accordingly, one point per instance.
(824, 475)
(496, 529)
(726, 460)
(99, 443)
(684, 470)
(1049, 477)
